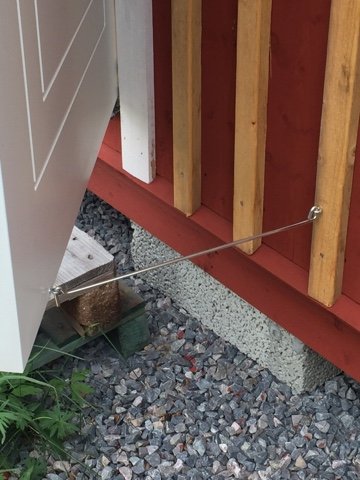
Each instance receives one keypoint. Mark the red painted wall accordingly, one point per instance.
(297, 65)
(298, 53)
(351, 285)
(274, 279)
(218, 104)
(163, 90)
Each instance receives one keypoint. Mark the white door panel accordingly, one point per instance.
(57, 25)
(53, 118)
(52, 86)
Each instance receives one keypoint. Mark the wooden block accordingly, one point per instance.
(133, 335)
(186, 85)
(253, 41)
(338, 135)
(85, 262)
(97, 309)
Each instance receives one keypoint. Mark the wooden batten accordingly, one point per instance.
(253, 40)
(186, 86)
(339, 128)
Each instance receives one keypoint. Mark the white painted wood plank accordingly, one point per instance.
(136, 87)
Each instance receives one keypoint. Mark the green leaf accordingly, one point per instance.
(25, 390)
(58, 384)
(6, 419)
(14, 377)
(57, 423)
(23, 411)
(34, 469)
(79, 389)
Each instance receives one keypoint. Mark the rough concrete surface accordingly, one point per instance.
(230, 316)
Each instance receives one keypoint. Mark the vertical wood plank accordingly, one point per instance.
(252, 67)
(339, 128)
(134, 30)
(186, 84)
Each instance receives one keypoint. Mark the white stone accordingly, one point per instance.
(245, 446)
(252, 428)
(137, 401)
(123, 458)
(263, 422)
(126, 472)
(137, 422)
(121, 389)
(178, 465)
(300, 462)
(135, 374)
(234, 468)
(152, 448)
(216, 466)
(264, 475)
(63, 466)
(338, 463)
(277, 422)
(296, 419)
(158, 425)
(235, 427)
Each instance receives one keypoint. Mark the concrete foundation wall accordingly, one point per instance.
(231, 317)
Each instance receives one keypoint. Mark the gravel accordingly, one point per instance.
(192, 406)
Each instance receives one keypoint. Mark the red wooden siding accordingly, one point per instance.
(297, 73)
(163, 90)
(274, 279)
(218, 105)
(298, 54)
(351, 285)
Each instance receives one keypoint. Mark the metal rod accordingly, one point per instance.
(314, 212)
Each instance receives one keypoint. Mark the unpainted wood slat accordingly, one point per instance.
(85, 261)
(253, 39)
(186, 85)
(339, 127)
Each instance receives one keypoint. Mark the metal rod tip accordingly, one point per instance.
(56, 291)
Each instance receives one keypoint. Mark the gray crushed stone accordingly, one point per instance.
(192, 406)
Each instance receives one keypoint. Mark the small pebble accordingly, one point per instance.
(191, 406)
(300, 462)
(126, 473)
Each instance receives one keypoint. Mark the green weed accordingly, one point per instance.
(38, 410)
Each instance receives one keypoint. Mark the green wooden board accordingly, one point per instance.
(57, 337)
(57, 325)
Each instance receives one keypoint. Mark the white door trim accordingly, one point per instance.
(134, 27)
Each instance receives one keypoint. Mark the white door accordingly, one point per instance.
(58, 85)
